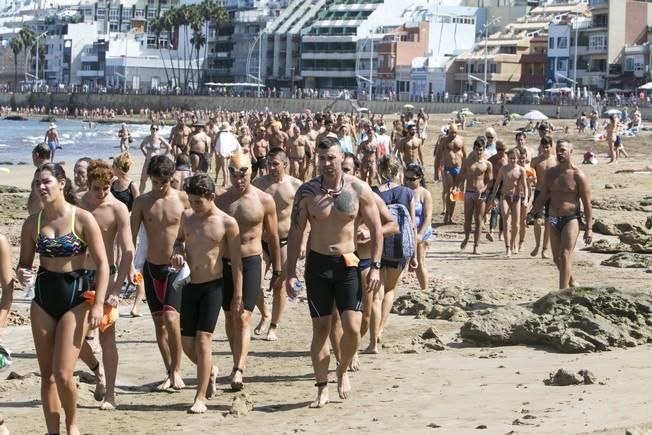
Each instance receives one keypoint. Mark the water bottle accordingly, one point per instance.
(297, 289)
(5, 358)
(28, 291)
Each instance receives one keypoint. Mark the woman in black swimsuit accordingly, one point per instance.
(61, 234)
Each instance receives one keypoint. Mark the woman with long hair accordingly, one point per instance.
(63, 235)
(152, 145)
(125, 191)
(415, 180)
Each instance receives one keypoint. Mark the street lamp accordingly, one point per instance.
(574, 23)
(370, 80)
(486, 60)
(258, 40)
(36, 77)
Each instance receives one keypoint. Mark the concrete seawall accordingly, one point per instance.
(163, 102)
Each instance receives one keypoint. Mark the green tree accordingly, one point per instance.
(215, 15)
(16, 45)
(28, 39)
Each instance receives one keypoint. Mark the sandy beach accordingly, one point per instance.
(463, 389)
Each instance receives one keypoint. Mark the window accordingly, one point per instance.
(493, 68)
(114, 14)
(598, 42)
(562, 64)
(562, 42)
(551, 43)
(629, 64)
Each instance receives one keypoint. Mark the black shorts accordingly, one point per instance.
(252, 268)
(160, 294)
(545, 211)
(260, 163)
(59, 292)
(328, 280)
(200, 306)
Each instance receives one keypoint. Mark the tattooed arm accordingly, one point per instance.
(299, 221)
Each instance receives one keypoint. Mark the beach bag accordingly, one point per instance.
(399, 246)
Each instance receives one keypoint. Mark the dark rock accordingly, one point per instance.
(22, 163)
(648, 223)
(628, 260)
(570, 321)
(565, 377)
(503, 325)
(7, 163)
(12, 189)
(606, 247)
(445, 303)
(604, 226)
(482, 426)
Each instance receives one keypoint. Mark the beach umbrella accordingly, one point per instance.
(363, 109)
(646, 86)
(613, 90)
(408, 107)
(533, 115)
(514, 116)
(533, 90)
(306, 110)
(612, 112)
(467, 113)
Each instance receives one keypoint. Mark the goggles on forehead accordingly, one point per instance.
(239, 172)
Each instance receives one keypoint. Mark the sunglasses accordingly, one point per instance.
(239, 172)
(412, 178)
(153, 129)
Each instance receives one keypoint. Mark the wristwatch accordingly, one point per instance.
(375, 265)
(276, 273)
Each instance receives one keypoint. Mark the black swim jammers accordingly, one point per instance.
(200, 307)
(59, 292)
(161, 295)
(251, 277)
(328, 280)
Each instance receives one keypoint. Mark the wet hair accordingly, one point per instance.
(519, 134)
(546, 140)
(200, 185)
(418, 171)
(100, 172)
(356, 160)
(161, 167)
(123, 162)
(88, 160)
(182, 160)
(328, 142)
(480, 140)
(42, 151)
(57, 172)
(279, 153)
(388, 167)
(512, 152)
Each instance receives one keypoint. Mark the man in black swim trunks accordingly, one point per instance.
(282, 187)
(541, 163)
(179, 137)
(112, 217)
(255, 212)
(207, 234)
(331, 204)
(160, 211)
(200, 145)
(566, 186)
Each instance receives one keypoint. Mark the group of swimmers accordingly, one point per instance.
(227, 239)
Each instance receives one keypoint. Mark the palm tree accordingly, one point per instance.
(16, 45)
(156, 26)
(167, 24)
(198, 40)
(182, 19)
(27, 38)
(214, 14)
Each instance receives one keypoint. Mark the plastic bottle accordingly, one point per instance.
(5, 358)
(29, 288)
(297, 288)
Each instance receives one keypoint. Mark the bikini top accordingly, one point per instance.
(68, 245)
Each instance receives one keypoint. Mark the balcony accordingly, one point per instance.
(88, 58)
(327, 72)
(596, 50)
(533, 80)
(333, 55)
(534, 58)
(90, 74)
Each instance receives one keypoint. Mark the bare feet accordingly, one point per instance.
(108, 405)
(199, 407)
(476, 251)
(343, 384)
(322, 396)
(371, 350)
(100, 384)
(236, 379)
(73, 430)
(464, 243)
(355, 363)
(544, 254)
(210, 389)
(508, 252)
(261, 326)
(490, 237)
(177, 381)
(573, 283)
(271, 333)
(165, 385)
(135, 313)
(534, 252)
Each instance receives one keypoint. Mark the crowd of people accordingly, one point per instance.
(229, 196)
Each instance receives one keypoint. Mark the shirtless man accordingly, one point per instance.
(310, 132)
(200, 144)
(332, 203)
(410, 148)
(297, 152)
(40, 155)
(277, 137)
(255, 212)
(281, 187)
(565, 186)
(451, 154)
(112, 216)
(541, 164)
(521, 146)
(52, 140)
(513, 180)
(160, 211)
(206, 235)
(179, 137)
(245, 139)
(476, 172)
(497, 161)
(80, 176)
(259, 151)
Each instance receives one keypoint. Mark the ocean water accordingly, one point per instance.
(17, 138)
